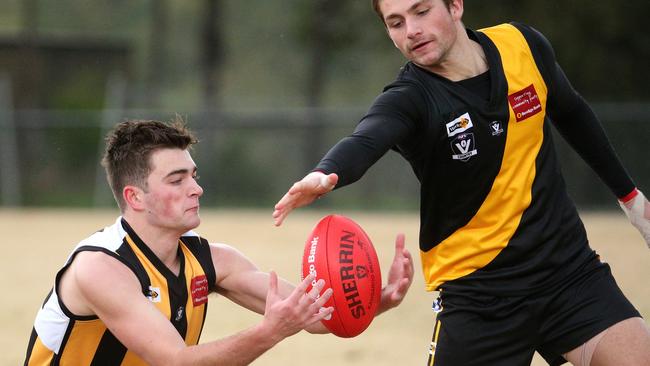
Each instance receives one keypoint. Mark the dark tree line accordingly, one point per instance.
(601, 44)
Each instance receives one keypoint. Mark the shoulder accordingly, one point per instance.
(228, 260)
(91, 278)
(98, 265)
(536, 40)
(533, 37)
(406, 93)
(110, 238)
(541, 49)
(409, 79)
(98, 251)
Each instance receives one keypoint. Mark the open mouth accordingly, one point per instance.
(419, 46)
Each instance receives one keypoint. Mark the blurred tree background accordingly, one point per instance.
(269, 86)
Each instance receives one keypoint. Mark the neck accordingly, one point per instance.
(464, 60)
(163, 243)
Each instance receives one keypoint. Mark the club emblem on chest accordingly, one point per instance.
(463, 147)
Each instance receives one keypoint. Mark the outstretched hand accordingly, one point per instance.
(400, 277)
(304, 192)
(286, 317)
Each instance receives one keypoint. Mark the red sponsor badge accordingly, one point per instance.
(525, 103)
(199, 290)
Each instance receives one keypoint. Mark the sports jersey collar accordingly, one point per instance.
(151, 256)
(498, 83)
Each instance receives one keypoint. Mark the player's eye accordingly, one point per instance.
(396, 24)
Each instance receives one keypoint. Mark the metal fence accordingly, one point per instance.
(250, 158)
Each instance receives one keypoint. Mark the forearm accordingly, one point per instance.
(580, 126)
(351, 157)
(385, 303)
(239, 349)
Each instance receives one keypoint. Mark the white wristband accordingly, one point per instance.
(638, 212)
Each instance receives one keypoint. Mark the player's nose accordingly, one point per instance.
(196, 189)
(413, 29)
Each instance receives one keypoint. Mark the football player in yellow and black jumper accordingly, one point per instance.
(472, 113)
(136, 292)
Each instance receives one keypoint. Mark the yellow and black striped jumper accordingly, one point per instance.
(62, 338)
(499, 235)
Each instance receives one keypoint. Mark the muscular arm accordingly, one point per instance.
(576, 121)
(98, 284)
(239, 280)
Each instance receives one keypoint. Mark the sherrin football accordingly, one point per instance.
(341, 253)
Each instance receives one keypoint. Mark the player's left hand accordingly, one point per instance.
(637, 210)
(400, 277)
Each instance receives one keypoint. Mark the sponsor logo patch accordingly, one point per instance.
(525, 103)
(154, 294)
(459, 125)
(199, 290)
(463, 147)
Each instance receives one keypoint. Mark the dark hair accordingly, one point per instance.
(129, 147)
(375, 7)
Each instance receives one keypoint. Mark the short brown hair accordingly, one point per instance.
(129, 147)
(375, 6)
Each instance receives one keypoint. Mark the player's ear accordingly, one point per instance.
(456, 9)
(134, 197)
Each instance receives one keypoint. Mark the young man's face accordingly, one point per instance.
(172, 194)
(423, 30)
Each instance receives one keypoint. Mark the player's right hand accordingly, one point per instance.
(637, 210)
(286, 317)
(304, 192)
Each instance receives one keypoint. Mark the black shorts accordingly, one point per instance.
(477, 329)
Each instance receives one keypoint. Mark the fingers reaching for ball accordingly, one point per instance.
(304, 192)
(400, 276)
(302, 308)
(315, 291)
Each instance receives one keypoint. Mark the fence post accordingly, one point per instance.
(113, 110)
(10, 192)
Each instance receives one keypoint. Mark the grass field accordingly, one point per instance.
(37, 243)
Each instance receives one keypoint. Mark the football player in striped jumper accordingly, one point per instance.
(136, 292)
(500, 238)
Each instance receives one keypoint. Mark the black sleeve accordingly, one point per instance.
(575, 120)
(391, 120)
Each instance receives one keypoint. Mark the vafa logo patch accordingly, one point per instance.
(496, 128)
(463, 146)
